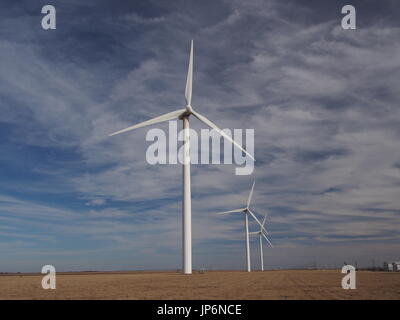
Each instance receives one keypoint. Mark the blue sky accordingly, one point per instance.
(324, 103)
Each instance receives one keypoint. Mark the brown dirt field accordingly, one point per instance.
(288, 284)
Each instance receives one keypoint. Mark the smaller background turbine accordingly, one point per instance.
(262, 234)
(247, 212)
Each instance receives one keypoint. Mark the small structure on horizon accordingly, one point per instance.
(392, 266)
(202, 270)
(387, 266)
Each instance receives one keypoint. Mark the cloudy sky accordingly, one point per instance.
(323, 101)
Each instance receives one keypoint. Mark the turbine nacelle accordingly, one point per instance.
(186, 112)
(189, 109)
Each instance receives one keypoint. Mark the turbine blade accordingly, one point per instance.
(265, 219)
(267, 240)
(164, 117)
(214, 126)
(231, 211)
(258, 221)
(189, 79)
(251, 194)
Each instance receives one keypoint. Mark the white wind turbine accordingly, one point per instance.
(261, 233)
(184, 114)
(247, 212)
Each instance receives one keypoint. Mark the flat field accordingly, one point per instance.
(287, 284)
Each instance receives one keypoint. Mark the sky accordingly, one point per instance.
(323, 101)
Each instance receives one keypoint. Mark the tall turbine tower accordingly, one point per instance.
(246, 211)
(184, 114)
(261, 234)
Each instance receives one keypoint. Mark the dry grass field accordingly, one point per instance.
(288, 284)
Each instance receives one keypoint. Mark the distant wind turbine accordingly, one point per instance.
(261, 234)
(247, 212)
(183, 114)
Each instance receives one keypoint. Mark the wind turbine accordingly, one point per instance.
(184, 114)
(246, 211)
(261, 234)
